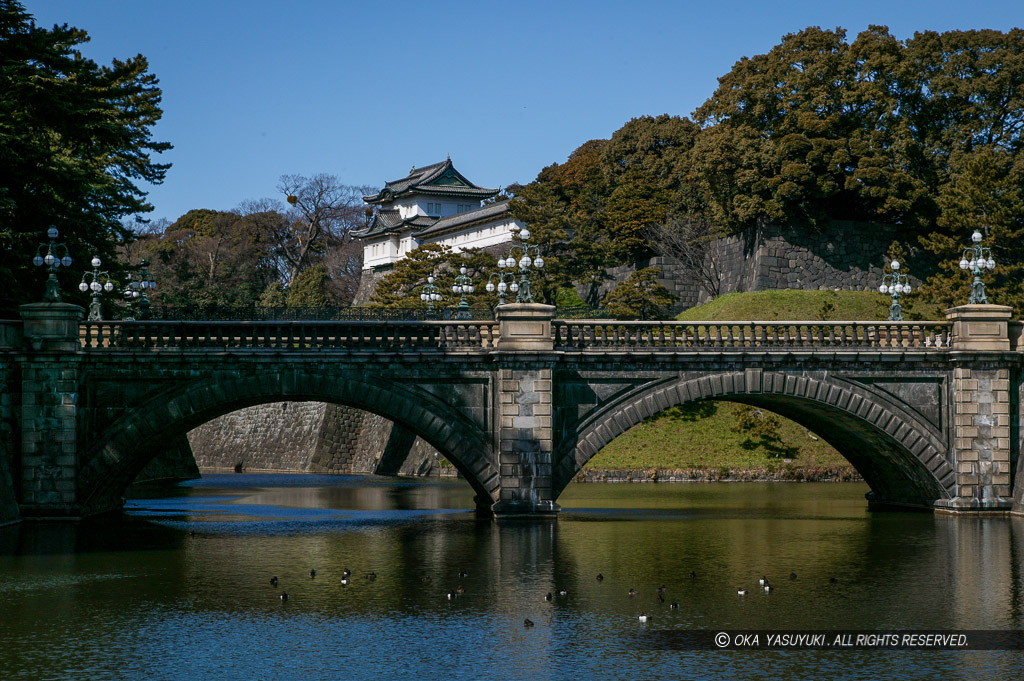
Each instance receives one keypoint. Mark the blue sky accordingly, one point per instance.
(254, 89)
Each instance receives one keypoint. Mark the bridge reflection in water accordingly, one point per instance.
(141, 597)
(926, 411)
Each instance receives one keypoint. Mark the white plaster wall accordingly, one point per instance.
(391, 248)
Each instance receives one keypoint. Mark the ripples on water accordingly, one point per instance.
(179, 588)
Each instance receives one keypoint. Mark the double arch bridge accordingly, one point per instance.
(928, 412)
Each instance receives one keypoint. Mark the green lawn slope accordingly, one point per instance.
(793, 305)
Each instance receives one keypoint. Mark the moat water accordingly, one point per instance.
(179, 588)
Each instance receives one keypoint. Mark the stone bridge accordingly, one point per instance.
(928, 412)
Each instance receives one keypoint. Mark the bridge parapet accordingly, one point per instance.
(689, 336)
(290, 335)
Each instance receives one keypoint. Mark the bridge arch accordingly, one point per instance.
(901, 456)
(124, 448)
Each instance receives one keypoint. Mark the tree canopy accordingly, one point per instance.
(75, 145)
(924, 133)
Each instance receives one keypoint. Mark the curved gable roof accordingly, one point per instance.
(439, 179)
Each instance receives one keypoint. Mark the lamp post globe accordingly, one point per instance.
(977, 259)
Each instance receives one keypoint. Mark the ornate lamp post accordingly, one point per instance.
(463, 284)
(52, 261)
(137, 288)
(502, 287)
(977, 258)
(522, 287)
(91, 281)
(431, 294)
(895, 284)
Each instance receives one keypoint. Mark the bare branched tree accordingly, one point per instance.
(312, 226)
(695, 243)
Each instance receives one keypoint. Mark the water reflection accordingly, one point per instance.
(179, 588)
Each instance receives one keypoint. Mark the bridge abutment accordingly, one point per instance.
(50, 377)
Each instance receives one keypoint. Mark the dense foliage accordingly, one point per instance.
(924, 133)
(75, 143)
(401, 287)
(297, 252)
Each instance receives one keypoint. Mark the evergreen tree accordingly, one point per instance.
(75, 142)
(640, 296)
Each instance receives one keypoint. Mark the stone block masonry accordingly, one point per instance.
(311, 437)
(9, 408)
(982, 433)
(526, 444)
(845, 255)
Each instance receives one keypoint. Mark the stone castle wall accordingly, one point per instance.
(311, 437)
(845, 256)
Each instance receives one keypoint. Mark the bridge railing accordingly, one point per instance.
(605, 335)
(290, 335)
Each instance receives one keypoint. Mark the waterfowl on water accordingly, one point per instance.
(527, 622)
(741, 592)
(451, 595)
(463, 574)
(460, 589)
(548, 596)
(632, 592)
(284, 595)
(763, 581)
(563, 593)
(273, 581)
(768, 588)
(674, 605)
(346, 573)
(661, 589)
(792, 575)
(425, 579)
(661, 599)
(642, 617)
(312, 573)
(693, 575)
(344, 581)
(371, 576)
(833, 580)
(600, 577)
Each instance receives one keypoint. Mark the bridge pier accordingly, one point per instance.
(525, 441)
(980, 344)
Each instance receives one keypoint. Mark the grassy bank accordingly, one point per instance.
(700, 437)
(791, 305)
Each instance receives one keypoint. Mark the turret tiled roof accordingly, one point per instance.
(422, 226)
(461, 220)
(439, 179)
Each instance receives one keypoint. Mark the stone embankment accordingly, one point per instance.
(830, 474)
